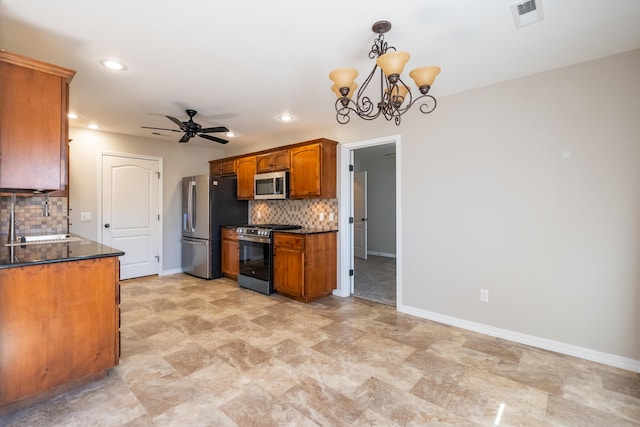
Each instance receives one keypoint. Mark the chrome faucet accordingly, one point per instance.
(12, 219)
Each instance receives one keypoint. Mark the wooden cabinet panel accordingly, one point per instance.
(59, 323)
(273, 161)
(33, 124)
(230, 263)
(246, 170)
(289, 265)
(313, 170)
(305, 266)
(222, 167)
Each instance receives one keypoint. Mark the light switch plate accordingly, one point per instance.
(85, 216)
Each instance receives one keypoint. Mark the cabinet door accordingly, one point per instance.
(274, 161)
(306, 167)
(230, 255)
(288, 265)
(34, 129)
(246, 170)
(222, 167)
(55, 327)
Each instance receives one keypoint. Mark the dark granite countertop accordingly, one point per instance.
(309, 230)
(46, 253)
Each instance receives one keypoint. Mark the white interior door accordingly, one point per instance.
(131, 212)
(360, 214)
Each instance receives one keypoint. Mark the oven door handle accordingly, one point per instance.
(257, 239)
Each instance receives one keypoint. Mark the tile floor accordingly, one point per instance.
(207, 353)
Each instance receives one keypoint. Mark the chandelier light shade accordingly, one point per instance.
(395, 97)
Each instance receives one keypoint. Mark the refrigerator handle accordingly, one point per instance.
(191, 207)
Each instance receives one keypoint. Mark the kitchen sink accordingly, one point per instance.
(50, 238)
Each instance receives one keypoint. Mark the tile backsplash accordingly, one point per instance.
(29, 213)
(305, 212)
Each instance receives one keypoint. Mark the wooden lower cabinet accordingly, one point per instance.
(230, 263)
(305, 265)
(59, 325)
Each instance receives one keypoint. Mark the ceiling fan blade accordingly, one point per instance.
(178, 122)
(185, 138)
(172, 130)
(213, 138)
(215, 129)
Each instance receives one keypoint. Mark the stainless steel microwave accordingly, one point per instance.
(273, 185)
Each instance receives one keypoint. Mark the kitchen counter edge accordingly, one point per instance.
(308, 230)
(49, 253)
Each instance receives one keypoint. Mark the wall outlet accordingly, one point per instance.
(330, 216)
(85, 216)
(484, 295)
(258, 214)
(321, 216)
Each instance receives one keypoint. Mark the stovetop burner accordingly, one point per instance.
(277, 226)
(265, 229)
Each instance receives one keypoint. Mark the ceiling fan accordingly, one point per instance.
(191, 129)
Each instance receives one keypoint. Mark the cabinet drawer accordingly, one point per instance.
(229, 233)
(288, 241)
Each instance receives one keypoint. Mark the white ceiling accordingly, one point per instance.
(242, 63)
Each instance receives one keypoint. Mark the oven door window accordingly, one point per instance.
(255, 260)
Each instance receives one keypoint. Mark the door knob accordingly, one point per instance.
(107, 226)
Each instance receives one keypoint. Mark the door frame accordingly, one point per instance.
(101, 155)
(365, 214)
(345, 206)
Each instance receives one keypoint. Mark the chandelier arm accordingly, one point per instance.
(428, 104)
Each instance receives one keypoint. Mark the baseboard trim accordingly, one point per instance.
(543, 343)
(384, 254)
(172, 271)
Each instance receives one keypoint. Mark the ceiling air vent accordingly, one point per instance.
(526, 12)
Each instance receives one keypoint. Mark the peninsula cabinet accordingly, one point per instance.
(304, 265)
(222, 167)
(246, 170)
(230, 263)
(312, 171)
(274, 161)
(34, 100)
(59, 324)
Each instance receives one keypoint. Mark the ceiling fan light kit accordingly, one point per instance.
(395, 97)
(192, 129)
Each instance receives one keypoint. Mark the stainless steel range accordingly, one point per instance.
(256, 255)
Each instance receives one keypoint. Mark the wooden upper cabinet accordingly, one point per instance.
(222, 167)
(33, 124)
(273, 161)
(311, 166)
(313, 170)
(246, 170)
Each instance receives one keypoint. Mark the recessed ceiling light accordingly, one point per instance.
(93, 126)
(72, 116)
(230, 134)
(113, 65)
(285, 117)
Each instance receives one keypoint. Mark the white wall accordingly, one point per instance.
(178, 160)
(530, 189)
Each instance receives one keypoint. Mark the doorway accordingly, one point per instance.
(130, 212)
(370, 247)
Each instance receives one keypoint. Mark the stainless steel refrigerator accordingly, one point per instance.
(208, 203)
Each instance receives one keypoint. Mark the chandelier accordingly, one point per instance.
(395, 97)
